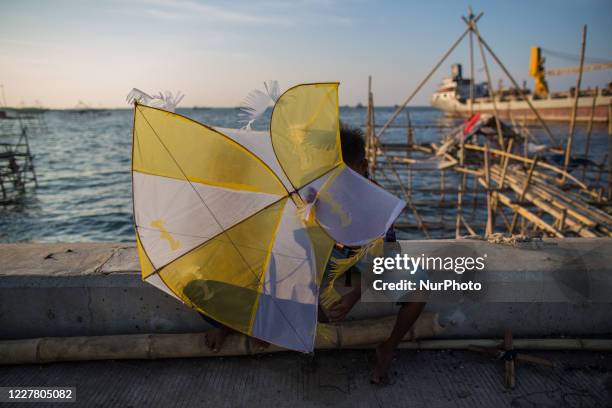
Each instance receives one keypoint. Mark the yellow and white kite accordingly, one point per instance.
(240, 224)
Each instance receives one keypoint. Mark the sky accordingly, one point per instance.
(57, 53)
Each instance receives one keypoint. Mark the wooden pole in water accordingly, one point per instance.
(371, 145)
(587, 144)
(610, 152)
(409, 134)
(461, 189)
(490, 222)
(572, 127)
(500, 136)
(420, 222)
(523, 191)
(472, 79)
(442, 203)
(368, 122)
(410, 142)
(506, 160)
(418, 88)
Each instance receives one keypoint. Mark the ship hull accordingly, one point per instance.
(519, 110)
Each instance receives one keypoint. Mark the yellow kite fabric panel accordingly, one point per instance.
(158, 132)
(305, 132)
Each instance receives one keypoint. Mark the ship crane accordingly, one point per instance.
(539, 73)
(575, 70)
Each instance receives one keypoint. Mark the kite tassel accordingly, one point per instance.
(163, 100)
(257, 101)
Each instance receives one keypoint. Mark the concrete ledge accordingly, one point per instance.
(83, 289)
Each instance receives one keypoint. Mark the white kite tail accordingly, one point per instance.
(166, 100)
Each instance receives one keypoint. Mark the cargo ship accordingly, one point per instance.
(453, 96)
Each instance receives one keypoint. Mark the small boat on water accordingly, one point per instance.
(453, 97)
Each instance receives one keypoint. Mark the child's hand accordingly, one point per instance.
(338, 310)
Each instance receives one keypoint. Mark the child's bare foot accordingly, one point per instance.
(216, 337)
(384, 357)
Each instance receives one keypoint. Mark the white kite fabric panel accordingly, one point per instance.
(260, 144)
(290, 291)
(175, 216)
(353, 210)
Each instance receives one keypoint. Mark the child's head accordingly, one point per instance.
(353, 149)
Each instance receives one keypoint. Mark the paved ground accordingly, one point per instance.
(339, 378)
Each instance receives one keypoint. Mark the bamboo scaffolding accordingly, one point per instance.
(574, 220)
(507, 201)
(572, 126)
(585, 217)
(543, 198)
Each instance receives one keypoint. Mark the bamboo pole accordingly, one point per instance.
(547, 166)
(565, 200)
(577, 208)
(500, 136)
(587, 144)
(583, 215)
(523, 192)
(472, 74)
(504, 199)
(500, 209)
(368, 121)
(505, 166)
(424, 81)
(155, 346)
(516, 85)
(475, 197)
(45, 350)
(562, 220)
(577, 227)
(467, 226)
(371, 147)
(442, 196)
(572, 127)
(610, 151)
(409, 133)
(490, 222)
(459, 215)
(558, 202)
(408, 199)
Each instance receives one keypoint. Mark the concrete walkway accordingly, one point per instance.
(338, 378)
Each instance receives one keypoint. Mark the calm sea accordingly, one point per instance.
(83, 167)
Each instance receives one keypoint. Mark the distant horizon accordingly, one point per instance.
(195, 107)
(55, 54)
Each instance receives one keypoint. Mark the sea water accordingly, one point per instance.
(83, 166)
